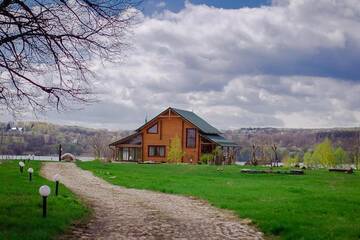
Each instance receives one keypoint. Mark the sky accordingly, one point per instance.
(150, 7)
(244, 63)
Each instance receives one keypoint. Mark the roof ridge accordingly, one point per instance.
(181, 109)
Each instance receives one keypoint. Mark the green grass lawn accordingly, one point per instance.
(21, 205)
(318, 205)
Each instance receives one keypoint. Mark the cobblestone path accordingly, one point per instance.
(121, 213)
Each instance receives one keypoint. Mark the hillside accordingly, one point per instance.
(293, 141)
(42, 138)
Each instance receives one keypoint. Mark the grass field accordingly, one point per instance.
(318, 205)
(21, 205)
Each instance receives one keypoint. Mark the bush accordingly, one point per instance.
(206, 158)
(292, 161)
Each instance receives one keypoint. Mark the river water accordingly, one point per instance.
(41, 158)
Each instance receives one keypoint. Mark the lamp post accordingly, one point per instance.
(57, 179)
(30, 171)
(21, 165)
(44, 192)
(60, 152)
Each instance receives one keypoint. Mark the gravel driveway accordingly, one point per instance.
(121, 213)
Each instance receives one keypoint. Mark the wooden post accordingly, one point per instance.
(60, 152)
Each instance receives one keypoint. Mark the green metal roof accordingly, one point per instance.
(124, 139)
(219, 140)
(197, 121)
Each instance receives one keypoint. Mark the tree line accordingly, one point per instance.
(324, 155)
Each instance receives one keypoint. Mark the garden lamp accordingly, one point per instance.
(57, 179)
(30, 171)
(44, 192)
(22, 165)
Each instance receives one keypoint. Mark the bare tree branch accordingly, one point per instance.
(46, 48)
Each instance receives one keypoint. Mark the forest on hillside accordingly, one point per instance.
(42, 138)
(292, 142)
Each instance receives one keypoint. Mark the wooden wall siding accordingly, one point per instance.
(170, 125)
(160, 129)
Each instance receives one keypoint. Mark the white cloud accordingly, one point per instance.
(161, 4)
(293, 64)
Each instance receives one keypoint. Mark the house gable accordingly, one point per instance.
(169, 125)
(188, 116)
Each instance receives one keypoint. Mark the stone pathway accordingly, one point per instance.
(121, 213)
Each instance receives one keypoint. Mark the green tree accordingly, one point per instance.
(341, 156)
(218, 155)
(308, 159)
(324, 154)
(291, 161)
(284, 156)
(175, 152)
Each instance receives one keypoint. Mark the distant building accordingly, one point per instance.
(151, 141)
(16, 129)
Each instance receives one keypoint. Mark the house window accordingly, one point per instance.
(153, 129)
(156, 151)
(125, 154)
(190, 137)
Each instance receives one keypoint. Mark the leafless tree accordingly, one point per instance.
(100, 145)
(254, 160)
(356, 151)
(275, 161)
(46, 48)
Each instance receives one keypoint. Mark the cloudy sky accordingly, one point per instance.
(244, 63)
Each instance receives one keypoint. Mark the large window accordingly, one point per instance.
(153, 129)
(191, 137)
(129, 154)
(156, 151)
(125, 154)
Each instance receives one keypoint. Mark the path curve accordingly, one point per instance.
(122, 213)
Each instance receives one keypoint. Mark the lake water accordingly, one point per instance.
(41, 158)
(243, 164)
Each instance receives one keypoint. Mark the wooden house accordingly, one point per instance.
(151, 141)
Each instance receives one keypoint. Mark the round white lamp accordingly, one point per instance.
(57, 179)
(30, 171)
(21, 165)
(44, 192)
